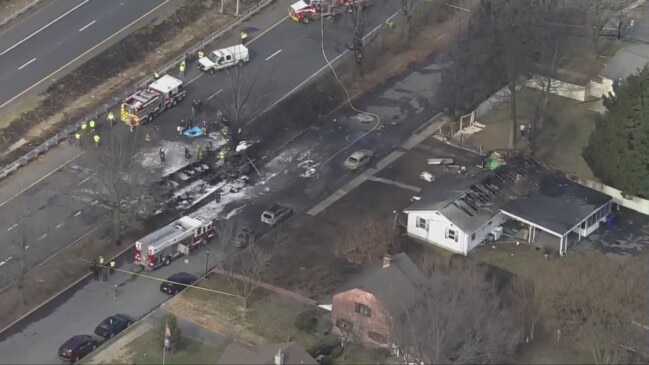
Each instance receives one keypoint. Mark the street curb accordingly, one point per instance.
(20, 12)
(86, 276)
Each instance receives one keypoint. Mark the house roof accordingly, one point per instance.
(557, 204)
(626, 61)
(471, 202)
(238, 353)
(395, 286)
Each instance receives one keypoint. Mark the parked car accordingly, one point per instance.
(244, 237)
(358, 159)
(177, 282)
(113, 325)
(77, 347)
(275, 214)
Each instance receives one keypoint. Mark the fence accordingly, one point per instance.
(634, 203)
(66, 132)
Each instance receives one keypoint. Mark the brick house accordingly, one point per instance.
(363, 309)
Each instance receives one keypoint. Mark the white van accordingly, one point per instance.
(224, 58)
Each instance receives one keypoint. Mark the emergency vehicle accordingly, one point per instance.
(305, 11)
(145, 104)
(169, 242)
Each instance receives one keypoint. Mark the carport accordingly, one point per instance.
(560, 207)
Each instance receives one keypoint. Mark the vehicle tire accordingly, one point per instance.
(94, 347)
(128, 324)
(76, 360)
(167, 261)
(174, 102)
(149, 119)
(306, 20)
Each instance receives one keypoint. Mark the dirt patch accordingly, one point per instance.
(113, 70)
(562, 136)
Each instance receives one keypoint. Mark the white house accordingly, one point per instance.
(459, 212)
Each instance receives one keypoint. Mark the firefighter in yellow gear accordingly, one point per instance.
(181, 68)
(92, 124)
(156, 75)
(225, 132)
(222, 155)
(244, 37)
(77, 136)
(110, 118)
(147, 138)
(201, 54)
(97, 139)
(389, 24)
(101, 260)
(84, 126)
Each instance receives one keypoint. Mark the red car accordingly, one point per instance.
(77, 347)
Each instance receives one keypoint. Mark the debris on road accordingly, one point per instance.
(425, 175)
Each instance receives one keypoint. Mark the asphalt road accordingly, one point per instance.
(402, 101)
(60, 36)
(57, 204)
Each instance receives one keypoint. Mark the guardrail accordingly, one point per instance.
(71, 129)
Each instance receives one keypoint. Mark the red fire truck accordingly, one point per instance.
(169, 242)
(145, 104)
(305, 11)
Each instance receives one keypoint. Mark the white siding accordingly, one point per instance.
(482, 232)
(439, 231)
(436, 232)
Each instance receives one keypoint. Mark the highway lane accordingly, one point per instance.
(81, 310)
(48, 44)
(299, 59)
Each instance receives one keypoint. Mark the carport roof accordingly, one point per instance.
(557, 206)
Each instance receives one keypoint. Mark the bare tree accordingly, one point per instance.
(120, 182)
(349, 330)
(364, 243)
(288, 315)
(456, 317)
(358, 26)
(242, 102)
(598, 302)
(526, 305)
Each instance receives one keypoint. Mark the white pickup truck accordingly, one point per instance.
(224, 58)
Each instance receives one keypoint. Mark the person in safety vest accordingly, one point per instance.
(389, 24)
(77, 136)
(244, 38)
(112, 266)
(148, 138)
(181, 68)
(97, 140)
(91, 124)
(201, 54)
(84, 125)
(110, 118)
(156, 75)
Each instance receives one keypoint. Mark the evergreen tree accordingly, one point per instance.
(618, 149)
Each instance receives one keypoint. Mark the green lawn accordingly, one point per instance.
(144, 350)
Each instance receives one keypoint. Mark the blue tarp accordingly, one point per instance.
(193, 132)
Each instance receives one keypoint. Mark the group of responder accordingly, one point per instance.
(91, 125)
(99, 264)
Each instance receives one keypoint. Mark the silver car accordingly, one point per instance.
(358, 159)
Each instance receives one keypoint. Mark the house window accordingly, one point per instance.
(451, 234)
(377, 337)
(422, 223)
(363, 309)
(344, 324)
(472, 236)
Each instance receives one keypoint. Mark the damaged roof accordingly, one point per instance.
(521, 188)
(557, 204)
(470, 202)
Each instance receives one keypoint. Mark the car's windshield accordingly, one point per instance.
(212, 57)
(353, 159)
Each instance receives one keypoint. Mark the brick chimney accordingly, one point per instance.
(387, 259)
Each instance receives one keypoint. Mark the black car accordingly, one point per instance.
(77, 347)
(177, 282)
(113, 325)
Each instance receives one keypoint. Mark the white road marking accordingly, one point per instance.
(59, 225)
(77, 214)
(93, 204)
(27, 247)
(12, 227)
(27, 63)
(273, 55)
(2, 263)
(43, 28)
(87, 25)
(43, 236)
(9, 258)
(215, 94)
(84, 180)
